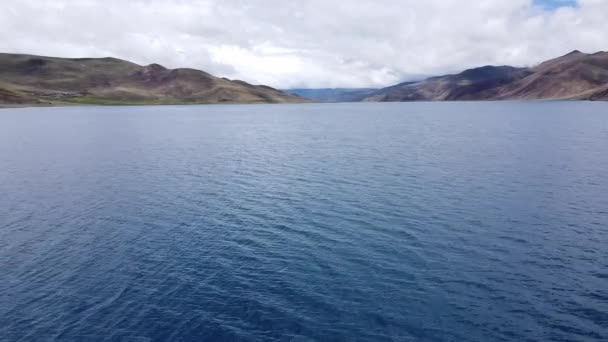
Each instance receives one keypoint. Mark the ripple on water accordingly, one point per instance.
(385, 222)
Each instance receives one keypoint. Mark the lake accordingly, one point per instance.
(314, 222)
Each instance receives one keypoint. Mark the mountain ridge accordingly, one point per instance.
(573, 76)
(42, 80)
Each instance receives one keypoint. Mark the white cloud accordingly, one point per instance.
(306, 43)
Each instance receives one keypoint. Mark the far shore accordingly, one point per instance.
(59, 105)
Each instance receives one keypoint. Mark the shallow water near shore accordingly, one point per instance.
(316, 222)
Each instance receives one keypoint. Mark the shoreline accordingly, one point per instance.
(62, 105)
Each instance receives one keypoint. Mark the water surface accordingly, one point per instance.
(343, 222)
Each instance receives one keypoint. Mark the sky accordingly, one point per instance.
(308, 43)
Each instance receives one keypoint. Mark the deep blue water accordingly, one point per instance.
(333, 222)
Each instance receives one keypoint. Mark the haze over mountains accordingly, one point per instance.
(27, 79)
(333, 94)
(575, 76)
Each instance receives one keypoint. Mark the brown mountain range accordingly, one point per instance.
(26, 79)
(575, 76)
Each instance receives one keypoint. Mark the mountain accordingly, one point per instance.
(333, 94)
(472, 84)
(27, 79)
(575, 76)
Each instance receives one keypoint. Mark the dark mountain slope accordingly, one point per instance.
(473, 84)
(573, 76)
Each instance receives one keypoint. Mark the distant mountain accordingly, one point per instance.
(26, 79)
(333, 94)
(575, 76)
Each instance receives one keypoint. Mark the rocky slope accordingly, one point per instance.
(26, 79)
(575, 76)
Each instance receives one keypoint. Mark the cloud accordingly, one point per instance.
(308, 43)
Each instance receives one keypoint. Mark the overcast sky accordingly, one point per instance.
(308, 43)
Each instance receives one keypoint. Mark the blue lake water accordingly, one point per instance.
(321, 222)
